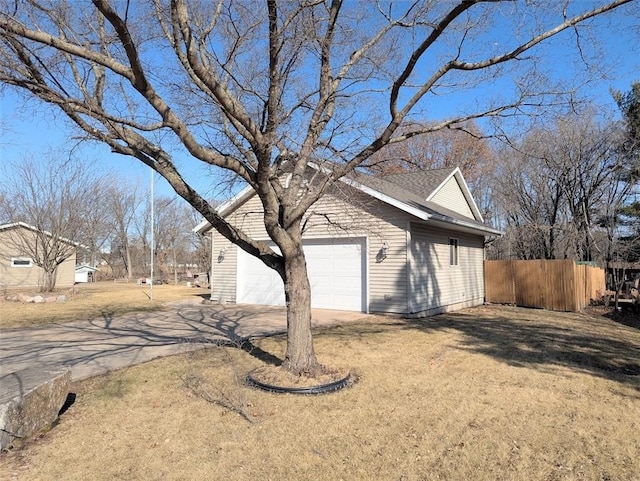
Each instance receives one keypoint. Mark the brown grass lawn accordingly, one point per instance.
(491, 393)
(94, 300)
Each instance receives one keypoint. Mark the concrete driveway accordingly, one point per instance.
(101, 345)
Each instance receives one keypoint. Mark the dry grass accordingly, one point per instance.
(90, 301)
(484, 394)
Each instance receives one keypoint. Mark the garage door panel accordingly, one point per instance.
(336, 273)
(349, 286)
(258, 284)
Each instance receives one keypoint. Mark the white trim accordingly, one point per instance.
(409, 263)
(420, 214)
(457, 173)
(22, 259)
(35, 229)
(86, 268)
(387, 199)
(464, 226)
(467, 194)
(205, 225)
(454, 248)
(367, 283)
(202, 226)
(442, 184)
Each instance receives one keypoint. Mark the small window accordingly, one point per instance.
(21, 262)
(453, 252)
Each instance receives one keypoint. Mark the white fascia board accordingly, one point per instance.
(442, 184)
(387, 199)
(457, 173)
(18, 224)
(201, 227)
(35, 229)
(243, 195)
(417, 212)
(467, 193)
(467, 225)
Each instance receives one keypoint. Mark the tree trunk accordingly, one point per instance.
(175, 267)
(49, 281)
(127, 251)
(300, 357)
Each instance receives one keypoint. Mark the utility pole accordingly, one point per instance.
(152, 239)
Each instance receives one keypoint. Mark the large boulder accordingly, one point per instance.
(30, 401)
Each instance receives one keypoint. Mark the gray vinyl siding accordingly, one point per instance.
(436, 285)
(332, 217)
(451, 197)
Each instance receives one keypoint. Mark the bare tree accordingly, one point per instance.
(121, 201)
(171, 231)
(466, 147)
(622, 217)
(265, 90)
(56, 198)
(530, 203)
(559, 183)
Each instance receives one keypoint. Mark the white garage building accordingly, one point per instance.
(410, 244)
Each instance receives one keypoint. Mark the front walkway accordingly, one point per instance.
(101, 345)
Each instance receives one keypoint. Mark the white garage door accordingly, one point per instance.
(336, 272)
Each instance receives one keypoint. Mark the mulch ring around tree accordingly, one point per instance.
(276, 379)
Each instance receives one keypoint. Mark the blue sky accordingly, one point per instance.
(35, 131)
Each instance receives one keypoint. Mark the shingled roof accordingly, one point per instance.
(408, 192)
(414, 188)
(422, 183)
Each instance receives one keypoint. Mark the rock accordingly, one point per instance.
(23, 298)
(61, 298)
(50, 299)
(37, 299)
(30, 401)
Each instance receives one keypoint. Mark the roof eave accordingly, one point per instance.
(457, 173)
(205, 226)
(461, 225)
(35, 229)
(387, 199)
(468, 226)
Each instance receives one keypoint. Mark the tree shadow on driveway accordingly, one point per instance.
(519, 337)
(103, 344)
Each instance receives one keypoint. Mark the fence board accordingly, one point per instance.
(502, 287)
(559, 285)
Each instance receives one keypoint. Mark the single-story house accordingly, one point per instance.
(85, 273)
(409, 244)
(17, 268)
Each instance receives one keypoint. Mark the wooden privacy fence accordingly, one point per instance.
(557, 285)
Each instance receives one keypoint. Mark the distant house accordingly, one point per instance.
(85, 273)
(410, 244)
(17, 268)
